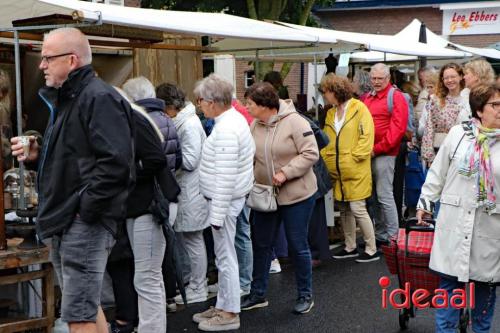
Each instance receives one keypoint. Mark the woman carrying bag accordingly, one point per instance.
(286, 151)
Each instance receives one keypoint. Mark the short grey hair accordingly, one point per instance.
(214, 88)
(75, 42)
(139, 88)
(362, 78)
(381, 67)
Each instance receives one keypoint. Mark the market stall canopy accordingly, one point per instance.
(382, 43)
(280, 51)
(192, 23)
(412, 30)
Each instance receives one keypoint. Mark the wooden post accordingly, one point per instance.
(3, 238)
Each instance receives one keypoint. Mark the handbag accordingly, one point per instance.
(262, 198)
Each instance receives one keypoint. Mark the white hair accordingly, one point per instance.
(381, 67)
(139, 109)
(215, 88)
(75, 42)
(139, 88)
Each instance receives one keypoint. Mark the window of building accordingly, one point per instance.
(249, 78)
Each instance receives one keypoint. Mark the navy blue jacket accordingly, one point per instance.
(171, 146)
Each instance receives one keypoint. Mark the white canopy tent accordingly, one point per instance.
(382, 43)
(193, 23)
(411, 33)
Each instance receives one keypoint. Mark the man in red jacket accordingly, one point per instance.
(389, 130)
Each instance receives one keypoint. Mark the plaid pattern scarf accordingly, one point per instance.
(477, 162)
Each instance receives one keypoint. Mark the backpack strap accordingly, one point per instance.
(390, 99)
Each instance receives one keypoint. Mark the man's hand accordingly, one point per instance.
(373, 154)
(18, 151)
(279, 179)
(421, 215)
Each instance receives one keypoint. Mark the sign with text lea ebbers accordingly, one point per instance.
(471, 21)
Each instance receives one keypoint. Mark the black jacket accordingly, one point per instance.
(86, 164)
(150, 160)
(171, 145)
(320, 170)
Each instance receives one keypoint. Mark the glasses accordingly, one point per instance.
(48, 58)
(201, 99)
(375, 79)
(495, 105)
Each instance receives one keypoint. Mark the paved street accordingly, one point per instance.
(347, 299)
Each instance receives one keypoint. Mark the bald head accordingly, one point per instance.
(73, 41)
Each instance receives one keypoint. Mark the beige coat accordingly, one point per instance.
(467, 240)
(289, 141)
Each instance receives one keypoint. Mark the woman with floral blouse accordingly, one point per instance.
(445, 109)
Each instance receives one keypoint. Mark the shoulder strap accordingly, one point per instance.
(390, 99)
(456, 148)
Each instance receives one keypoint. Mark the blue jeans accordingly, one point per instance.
(482, 314)
(79, 256)
(265, 229)
(243, 245)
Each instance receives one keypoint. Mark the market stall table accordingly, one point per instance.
(20, 259)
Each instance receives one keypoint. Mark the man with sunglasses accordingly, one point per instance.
(85, 171)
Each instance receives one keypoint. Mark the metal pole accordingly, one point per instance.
(256, 66)
(316, 86)
(22, 204)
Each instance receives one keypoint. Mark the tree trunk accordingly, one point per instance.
(252, 12)
(306, 12)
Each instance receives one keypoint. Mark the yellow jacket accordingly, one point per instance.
(347, 156)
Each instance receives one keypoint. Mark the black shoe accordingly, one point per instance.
(365, 257)
(118, 328)
(344, 254)
(304, 304)
(252, 301)
(380, 242)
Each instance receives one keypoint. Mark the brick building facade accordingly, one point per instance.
(372, 17)
(292, 81)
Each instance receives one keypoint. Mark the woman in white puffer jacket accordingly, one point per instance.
(192, 206)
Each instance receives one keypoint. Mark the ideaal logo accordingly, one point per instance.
(423, 298)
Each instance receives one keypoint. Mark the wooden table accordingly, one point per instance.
(14, 257)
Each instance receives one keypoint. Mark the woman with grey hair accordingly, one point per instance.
(362, 84)
(226, 177)
(192, 206)
(142, 92)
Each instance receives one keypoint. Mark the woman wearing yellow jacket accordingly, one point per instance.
(349, 126)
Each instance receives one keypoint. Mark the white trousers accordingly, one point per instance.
(195, 248)
(228, 296)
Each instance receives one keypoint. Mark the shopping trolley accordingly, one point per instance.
(408, 257)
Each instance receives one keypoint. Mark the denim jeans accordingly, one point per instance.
(79, 257)
(265, 229)
(148, 244)
(243, 245)
(482, 315)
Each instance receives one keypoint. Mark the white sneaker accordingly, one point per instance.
(192, 296)
(275, 267)
(213, 288)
